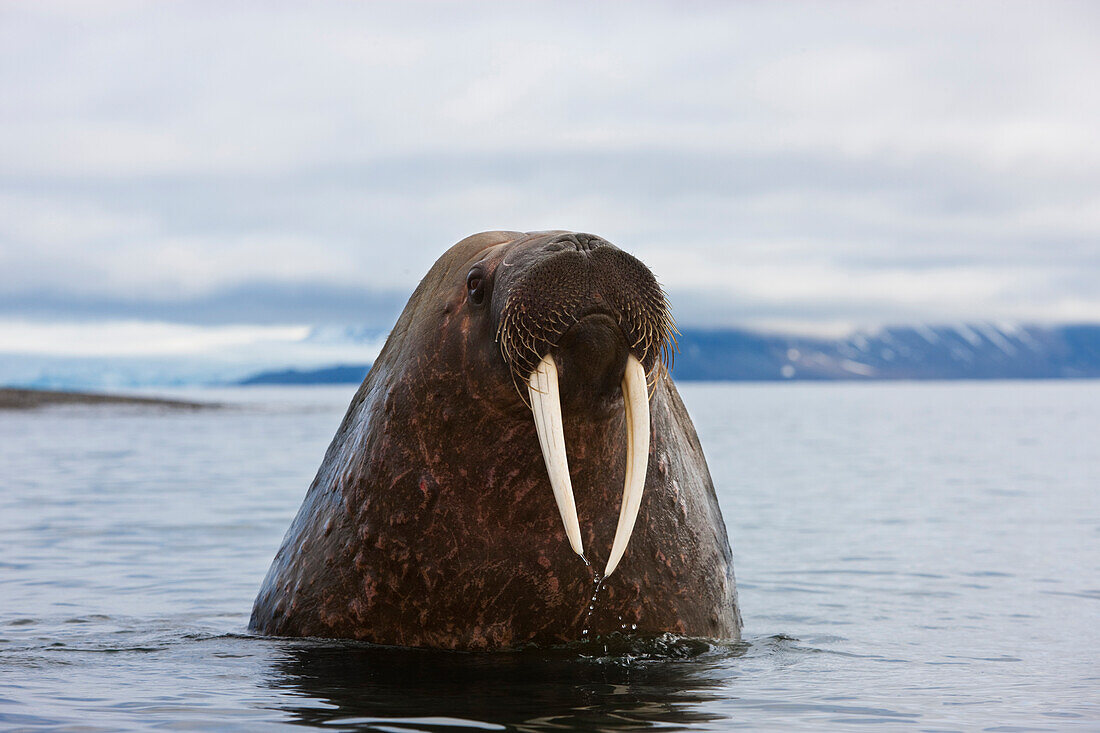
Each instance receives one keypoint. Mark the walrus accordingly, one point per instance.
(516, 468)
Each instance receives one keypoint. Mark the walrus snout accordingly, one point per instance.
(562, 279)
(580, 317)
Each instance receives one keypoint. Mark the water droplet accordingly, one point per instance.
(597, 581)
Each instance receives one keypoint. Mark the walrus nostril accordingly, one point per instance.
(588, 242)
(578, 240)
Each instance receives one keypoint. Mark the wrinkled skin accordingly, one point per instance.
(431, 521)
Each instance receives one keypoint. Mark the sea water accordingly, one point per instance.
(916, 555)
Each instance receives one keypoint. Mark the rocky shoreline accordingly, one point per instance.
(28, 399)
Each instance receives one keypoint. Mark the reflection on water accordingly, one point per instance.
(630, 687)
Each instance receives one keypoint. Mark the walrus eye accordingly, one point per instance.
(475, 286)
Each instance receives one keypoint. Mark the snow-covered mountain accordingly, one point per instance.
(961, 351)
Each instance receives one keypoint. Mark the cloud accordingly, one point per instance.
(135, 338)
(260, 303)
(308, 163)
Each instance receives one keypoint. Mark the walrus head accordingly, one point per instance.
(575, 315)
(431, 521)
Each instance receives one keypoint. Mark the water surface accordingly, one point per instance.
(922, 555)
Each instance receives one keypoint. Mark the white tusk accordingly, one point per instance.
(542, 385)
(636, 404)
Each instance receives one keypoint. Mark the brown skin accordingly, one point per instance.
(431, 521)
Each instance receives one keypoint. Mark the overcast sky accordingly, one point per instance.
(803, 165)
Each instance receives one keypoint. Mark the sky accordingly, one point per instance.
(187, 176)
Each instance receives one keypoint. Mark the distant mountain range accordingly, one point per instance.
(339, 374)
(963, 351)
